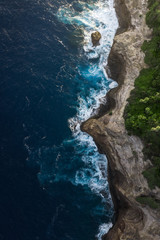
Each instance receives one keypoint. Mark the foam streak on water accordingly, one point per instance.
(98, 16)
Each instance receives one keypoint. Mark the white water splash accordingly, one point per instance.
(101, 17)
(103, 229)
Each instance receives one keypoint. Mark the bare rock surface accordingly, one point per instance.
(95, 36)
(125, 157)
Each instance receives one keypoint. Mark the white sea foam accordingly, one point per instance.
(100, 17)
(97, 17)
(113, 84)
(103, 229)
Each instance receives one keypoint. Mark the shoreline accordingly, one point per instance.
(124, 153)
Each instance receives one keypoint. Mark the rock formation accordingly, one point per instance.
(96, 36)
(125, 157)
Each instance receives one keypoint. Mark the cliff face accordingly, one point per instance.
(125, 157)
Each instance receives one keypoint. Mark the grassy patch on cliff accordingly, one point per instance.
(148, 201)
(152, 177)
(142, 114)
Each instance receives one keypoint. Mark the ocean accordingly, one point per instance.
(53, 180)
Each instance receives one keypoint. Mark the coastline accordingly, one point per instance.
(124, 152)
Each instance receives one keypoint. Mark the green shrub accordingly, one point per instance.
(151, 202)
(142, 114)
(152, 177)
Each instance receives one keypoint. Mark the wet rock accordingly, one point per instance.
(96, 36)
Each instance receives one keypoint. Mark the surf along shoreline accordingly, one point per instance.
(124, 153)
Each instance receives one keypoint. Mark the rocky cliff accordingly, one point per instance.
(125, 157)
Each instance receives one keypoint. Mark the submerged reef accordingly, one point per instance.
(137, 215)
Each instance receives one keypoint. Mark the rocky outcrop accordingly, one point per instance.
(125, 157)
(95, 36)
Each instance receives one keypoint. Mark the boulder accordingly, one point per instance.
(96, 36)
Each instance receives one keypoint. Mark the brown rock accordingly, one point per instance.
(96, 36)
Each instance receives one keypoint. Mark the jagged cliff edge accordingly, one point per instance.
(125, 157)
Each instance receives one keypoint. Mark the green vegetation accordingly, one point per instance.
(142, 114)
(152, 177)
(148, 201)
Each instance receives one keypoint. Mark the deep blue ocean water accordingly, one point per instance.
(53, 181)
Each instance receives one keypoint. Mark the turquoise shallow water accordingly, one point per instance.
(52, 79)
